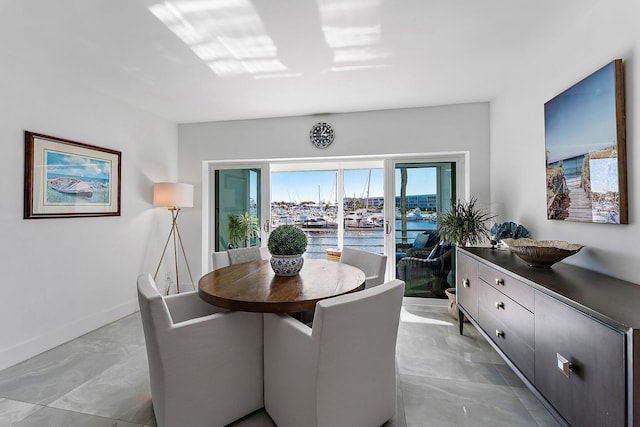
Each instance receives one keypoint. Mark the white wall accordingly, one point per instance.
(64, 277)
(446, 129)
(608, 31)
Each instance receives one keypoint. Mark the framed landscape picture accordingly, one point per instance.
(69, 179)
(585, 150)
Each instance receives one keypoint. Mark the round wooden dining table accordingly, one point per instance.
(253, 286)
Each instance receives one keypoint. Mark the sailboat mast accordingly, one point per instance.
(368, 186)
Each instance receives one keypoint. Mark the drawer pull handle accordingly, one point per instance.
(500, 282)
(465, 283)
(499, 334)
(564, 365)
(499, 305)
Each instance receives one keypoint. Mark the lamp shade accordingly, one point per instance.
(173, 195)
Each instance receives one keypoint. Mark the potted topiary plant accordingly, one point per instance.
(463, 224)
(287, 243)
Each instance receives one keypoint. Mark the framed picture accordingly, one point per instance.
(585, 150)
(69, 179)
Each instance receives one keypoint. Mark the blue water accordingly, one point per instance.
(318, 241)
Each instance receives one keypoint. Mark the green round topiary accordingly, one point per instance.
(287, 240)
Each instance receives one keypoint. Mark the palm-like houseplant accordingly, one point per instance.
(242, 228)
(464, 224)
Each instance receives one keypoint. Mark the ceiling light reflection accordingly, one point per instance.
(227, 68)
(227, 34)
(276, 76)
(175, 21)
(264, 66)
(249, 47)
(354, 32)
(339, 37)
(230, 36)
(359, 55)
(339, 69)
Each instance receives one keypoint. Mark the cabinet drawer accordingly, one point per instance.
(467, 283)
(592, 393)
(504, 309)
(510, 326)
(517, 290)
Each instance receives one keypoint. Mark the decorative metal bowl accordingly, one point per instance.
(541, 253)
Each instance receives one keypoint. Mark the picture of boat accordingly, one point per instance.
(72, 186)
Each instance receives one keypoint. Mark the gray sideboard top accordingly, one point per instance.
(613, 301)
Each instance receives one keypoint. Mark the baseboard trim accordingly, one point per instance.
(63, 334)
(438, 302)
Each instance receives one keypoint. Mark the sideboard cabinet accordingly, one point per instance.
(569, 333)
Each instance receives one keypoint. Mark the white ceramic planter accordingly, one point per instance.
(286, 265)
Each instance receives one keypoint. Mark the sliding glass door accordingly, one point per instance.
(363, 207)
(374, 205)
(422, 192)
(237, 208)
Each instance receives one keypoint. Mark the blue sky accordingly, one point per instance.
(72, 165)
(303, 186)
(582, 118)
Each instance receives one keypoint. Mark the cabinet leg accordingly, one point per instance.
(460, 320)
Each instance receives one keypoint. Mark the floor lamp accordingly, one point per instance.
(174, 196)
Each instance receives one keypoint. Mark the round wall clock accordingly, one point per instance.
(321, 135)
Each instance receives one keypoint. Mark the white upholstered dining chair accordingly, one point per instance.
(205, 363)
(373, 265)
(340, 372)
(236, 256)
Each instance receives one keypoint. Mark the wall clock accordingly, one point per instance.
(321, 135)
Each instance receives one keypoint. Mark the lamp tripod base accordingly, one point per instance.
(173, 232)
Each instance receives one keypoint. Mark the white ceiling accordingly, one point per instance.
(208, 60)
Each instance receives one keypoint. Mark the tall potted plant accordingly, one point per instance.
(464, 224)
(242, 228)
(287, 244)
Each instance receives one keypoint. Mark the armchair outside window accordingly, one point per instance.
(426, 276)
(422, 244)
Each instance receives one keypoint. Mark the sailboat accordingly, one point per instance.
(72, 186)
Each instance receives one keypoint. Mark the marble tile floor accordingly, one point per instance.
(101, 379)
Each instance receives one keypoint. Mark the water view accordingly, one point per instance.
(368, 240)
(309, 200)
(363, 228)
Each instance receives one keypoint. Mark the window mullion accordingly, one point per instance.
(340, 200)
